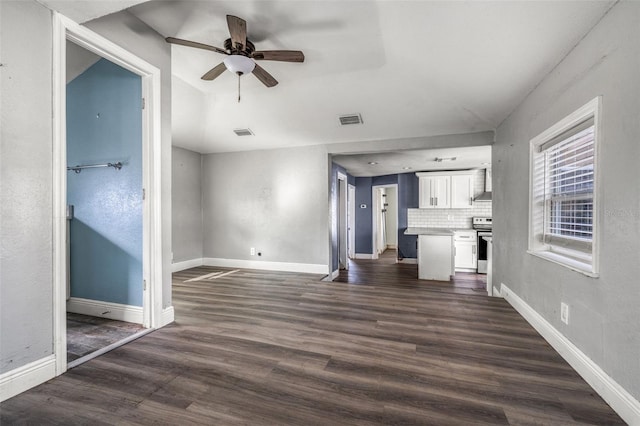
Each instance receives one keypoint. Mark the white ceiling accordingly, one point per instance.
(411, 68)
(84, 10)
(415, 160)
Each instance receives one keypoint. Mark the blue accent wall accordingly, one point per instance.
(104, 124)
(407, 199)
(364, 243)
(384, 180)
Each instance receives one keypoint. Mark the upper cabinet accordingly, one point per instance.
(446, 190)
(435, 192)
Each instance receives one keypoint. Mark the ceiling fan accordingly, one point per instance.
(241, 54)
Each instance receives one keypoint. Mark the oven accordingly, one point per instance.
(484, 227)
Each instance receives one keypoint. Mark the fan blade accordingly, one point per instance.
(195, 44)
(266, 78)
(215, 71)
(238, 31)
(279, 55)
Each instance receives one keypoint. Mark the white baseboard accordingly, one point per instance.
(167, 316)
(114, 311)
(364, 256)
(186, 264)
(391, 246)
(615, 395)
(23, 378)
(308, 268)
(335, 274)
(409, 260)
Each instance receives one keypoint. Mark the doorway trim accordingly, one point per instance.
(65, 29)
(375, 207)
(343, 206)
(351, 221)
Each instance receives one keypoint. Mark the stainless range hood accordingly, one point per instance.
(486, 195)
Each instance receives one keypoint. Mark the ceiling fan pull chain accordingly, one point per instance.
(239, 87)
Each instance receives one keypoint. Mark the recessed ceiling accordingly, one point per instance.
(411, 68)
(416, 160)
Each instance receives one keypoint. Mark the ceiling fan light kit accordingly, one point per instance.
(239, 64)
(241, 54)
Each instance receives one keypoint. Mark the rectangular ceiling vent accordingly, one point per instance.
(243, 132)
(350, 119)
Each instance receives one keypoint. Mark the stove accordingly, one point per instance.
(484, 226)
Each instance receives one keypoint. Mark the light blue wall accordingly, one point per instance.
(104, 124)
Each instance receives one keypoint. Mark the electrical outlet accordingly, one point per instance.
(564, 313)
(253, 251)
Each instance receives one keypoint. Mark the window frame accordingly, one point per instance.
(573, 259)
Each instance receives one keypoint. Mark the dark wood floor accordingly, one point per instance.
(86, 334)
(376, 347)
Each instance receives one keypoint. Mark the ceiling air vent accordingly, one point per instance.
(350, 119)
(243, 132)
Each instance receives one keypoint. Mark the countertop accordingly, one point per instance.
(433, 231)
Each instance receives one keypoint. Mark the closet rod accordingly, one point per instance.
(78, 169)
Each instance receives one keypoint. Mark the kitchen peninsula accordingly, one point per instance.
(435, 253)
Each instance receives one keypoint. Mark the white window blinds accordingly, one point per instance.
(568, 175)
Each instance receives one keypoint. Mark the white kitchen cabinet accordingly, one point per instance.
(435, 192)
(465, 250)
(435, 257)
(446, 190)
(461, 191)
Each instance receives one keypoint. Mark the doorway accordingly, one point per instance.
(351, 221)
(104, 203)
(140, 303)
(385, 221)
(343, 260)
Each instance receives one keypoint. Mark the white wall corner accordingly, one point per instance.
(615, 395)
(335, 274)
(167, 316)
(114, 311)
(186, 264)
(23, 378)
(306, 268)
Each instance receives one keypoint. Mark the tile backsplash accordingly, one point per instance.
(451, 218)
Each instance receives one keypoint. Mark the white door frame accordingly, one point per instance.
(351, 221)
(341, 190)
(65, 29)
(375, 208)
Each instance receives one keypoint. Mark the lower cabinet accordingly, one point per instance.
(435, 257)
(466, 250)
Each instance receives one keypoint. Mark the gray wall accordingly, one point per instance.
(604, 311)
(186, 189)
(26, 289)
(127, 31)
(274, 200)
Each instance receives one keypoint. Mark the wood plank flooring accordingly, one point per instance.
(86, 334)
(377, 347)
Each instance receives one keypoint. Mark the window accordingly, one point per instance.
(562, 217)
